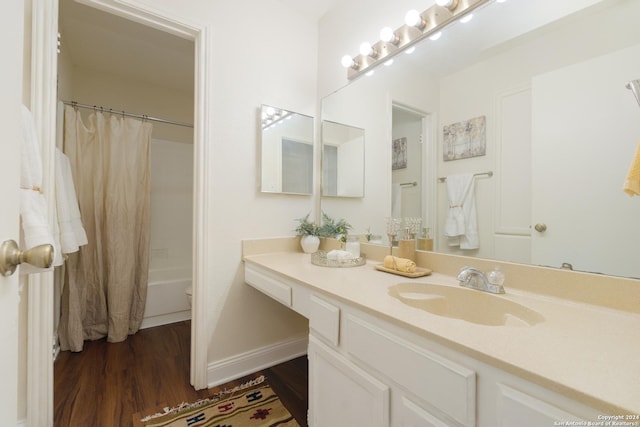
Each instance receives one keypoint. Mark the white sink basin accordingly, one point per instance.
(465, 304)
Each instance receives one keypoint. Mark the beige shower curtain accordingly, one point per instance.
(105, 285)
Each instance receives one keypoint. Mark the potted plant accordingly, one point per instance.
(308, 232)
(332, 228)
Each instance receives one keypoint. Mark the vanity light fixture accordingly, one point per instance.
(389, 36)
(367, 50)
(414, 19)
(417, 26)
(349, 62)
(449, 4)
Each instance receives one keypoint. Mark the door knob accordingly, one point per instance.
(541, 227)
(11, 256)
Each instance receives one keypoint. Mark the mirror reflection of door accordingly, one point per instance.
(407, 163)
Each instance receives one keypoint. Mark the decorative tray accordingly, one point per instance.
(320, 258)
(418, 273)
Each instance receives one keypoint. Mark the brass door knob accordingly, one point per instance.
(11, 256)
(540, 227)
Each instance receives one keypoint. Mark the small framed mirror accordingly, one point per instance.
(342, 160)
(286, 151)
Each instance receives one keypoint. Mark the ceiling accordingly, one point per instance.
(97, 40)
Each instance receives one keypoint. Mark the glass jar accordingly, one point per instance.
(353, 246)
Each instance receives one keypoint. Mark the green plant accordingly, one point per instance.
(306, 227)
(332, 228)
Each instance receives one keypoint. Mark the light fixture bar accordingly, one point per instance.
(435, 18)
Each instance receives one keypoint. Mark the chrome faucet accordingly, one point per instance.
(473, 278)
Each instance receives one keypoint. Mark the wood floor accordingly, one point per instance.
(116, 384)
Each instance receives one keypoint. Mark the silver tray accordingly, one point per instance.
(320, 258)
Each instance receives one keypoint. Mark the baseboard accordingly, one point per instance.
(165, 319)
(235, 367)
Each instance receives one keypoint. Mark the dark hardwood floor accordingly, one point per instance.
(116, 384)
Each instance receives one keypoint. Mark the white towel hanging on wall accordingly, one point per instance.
(461, 225)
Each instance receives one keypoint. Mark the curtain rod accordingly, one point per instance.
(489, 174)
(124, 113)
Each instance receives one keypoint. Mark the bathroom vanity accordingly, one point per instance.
(382, 353)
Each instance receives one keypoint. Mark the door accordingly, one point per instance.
(11, 23)
(584, 132)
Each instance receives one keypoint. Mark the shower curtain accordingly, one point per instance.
(105, 284)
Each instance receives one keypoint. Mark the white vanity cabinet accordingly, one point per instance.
(369, 370)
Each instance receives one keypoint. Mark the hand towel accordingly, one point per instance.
(632, 182)
(461, 225)
(399, 264)
(72, 233)
(33, 206)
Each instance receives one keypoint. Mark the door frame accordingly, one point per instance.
(44, 105)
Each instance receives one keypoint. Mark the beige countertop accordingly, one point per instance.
(587, 352)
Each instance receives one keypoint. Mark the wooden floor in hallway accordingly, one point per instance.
(116, 384)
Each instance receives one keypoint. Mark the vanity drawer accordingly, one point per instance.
(324, 318)
(267, 284)
(444, 385)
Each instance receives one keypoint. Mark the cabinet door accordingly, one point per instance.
(415, 416)
(520, 409)
(341, 394)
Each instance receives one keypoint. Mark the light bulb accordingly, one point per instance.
(347, 61)
(387, 34)
(413, 18)
(466, 18)
(436, 36)
(366, 49)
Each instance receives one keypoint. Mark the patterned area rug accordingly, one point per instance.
(253, 404)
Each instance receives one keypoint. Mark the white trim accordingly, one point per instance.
(44, 62)
(252, 361)
(165, 319)
(43, 107)
(499, 227)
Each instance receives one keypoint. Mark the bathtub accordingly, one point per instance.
(166, 298)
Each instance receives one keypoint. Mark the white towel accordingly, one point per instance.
(33, 205)
(461, 226)
(72, 233)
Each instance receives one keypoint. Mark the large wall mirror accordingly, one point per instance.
(286, 151)
(561, 130)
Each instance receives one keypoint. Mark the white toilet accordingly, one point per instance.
(189, 291)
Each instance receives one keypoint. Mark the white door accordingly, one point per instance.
(584, 132)
(11, 23)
